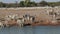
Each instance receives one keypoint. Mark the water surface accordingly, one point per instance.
(31, 30)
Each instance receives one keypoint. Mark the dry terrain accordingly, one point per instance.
(39, 12)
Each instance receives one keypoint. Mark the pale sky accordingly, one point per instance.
(12, 1)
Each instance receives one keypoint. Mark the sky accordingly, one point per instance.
(13, 1)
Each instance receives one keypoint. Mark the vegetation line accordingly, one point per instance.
(28, 3)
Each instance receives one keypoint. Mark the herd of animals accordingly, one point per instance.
(16, 20)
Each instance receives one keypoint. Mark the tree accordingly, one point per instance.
(2, 4)
(21, 4)
(27, 3)
(43, 3)
(32, 4)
